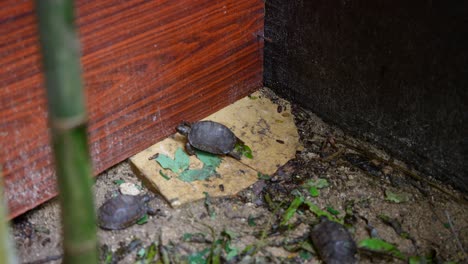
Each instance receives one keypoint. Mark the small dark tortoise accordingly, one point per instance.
(334, 243)
(209, 136)
(123, 211)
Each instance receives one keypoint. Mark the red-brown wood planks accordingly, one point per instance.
(147, 65)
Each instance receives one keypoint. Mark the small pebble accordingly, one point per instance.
(129, 188)
(311, 155)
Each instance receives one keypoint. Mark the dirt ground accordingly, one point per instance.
(376, 196)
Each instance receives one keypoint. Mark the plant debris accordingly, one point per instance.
(108, 256)
(271, 221)
(314, 186)
(244, 150)
(396, 197)
(181, 162)
(380, 246)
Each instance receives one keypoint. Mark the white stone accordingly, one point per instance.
(129, 188)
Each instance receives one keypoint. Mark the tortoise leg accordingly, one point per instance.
(235, 155)
(189, 149)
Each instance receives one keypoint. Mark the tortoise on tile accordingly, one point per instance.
(123, 211)
(209, 136)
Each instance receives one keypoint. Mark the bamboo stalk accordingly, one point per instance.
(7, 252)
(67, 120)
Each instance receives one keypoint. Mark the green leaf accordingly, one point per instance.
(197, 174)
(232, 253)
(141, 253)
(229, 234)
(118, 182)
(315, 185)
(143, 220)
(332, 210)
(349, 207)
(109, 255)
(417, 260)
(187, 236)
(252, 97)
(396, 197)
(262, 176)
(319, 212)
(244, 150)
(199, 257)
(313, 191)
(181, 159)
(247, 152)
(447, 225)
(164, 175)
(319, 183)
(291, 210)
(152, 252)
(216, 254)
(210, 163)
(248, 250)
(167, 163)
(180, 162)
(305, 255)
(322, 183)
(307, 246)
(296, 193)
(379, 245)
(269, 201)
(251, 221)
(208, 159)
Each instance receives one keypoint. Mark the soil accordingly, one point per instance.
(426, 219)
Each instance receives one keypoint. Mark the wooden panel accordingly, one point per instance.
(147, 66)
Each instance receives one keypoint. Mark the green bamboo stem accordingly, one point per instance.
(7, 252)
(67, 119)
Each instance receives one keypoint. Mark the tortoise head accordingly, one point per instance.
(183, 128)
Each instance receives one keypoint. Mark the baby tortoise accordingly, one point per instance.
(333, 242)
(123, 211)
(209, 136)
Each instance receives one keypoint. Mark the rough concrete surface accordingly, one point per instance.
(432, 215)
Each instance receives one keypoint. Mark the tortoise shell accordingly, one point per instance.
(333, 242)
(212, 137)
(122, 211)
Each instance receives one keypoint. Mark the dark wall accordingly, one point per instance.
(392, 72)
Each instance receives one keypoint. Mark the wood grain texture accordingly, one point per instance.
(147, 65)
